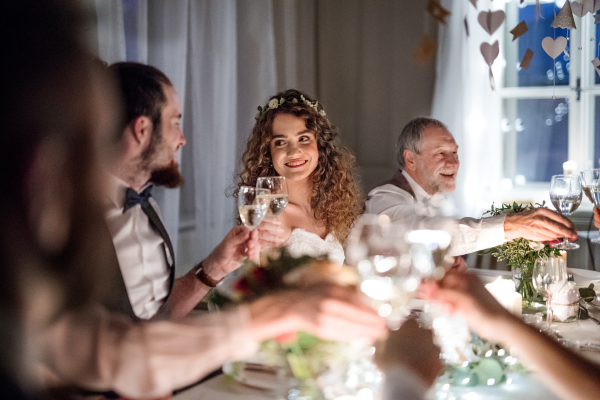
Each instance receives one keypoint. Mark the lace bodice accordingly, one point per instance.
(302, 243)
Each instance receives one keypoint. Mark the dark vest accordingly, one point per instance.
(400, 181)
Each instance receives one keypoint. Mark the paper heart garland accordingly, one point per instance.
(490, 53)
(581, 8)
(490, 21)
(554, 48)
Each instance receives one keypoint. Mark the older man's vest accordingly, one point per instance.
(399, 180)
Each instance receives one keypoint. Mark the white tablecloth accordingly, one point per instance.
(522, 387)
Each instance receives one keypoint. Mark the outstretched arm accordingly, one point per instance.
(540, 224)
(566, 373)
(189, 290)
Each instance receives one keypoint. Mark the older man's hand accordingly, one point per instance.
(540, 224)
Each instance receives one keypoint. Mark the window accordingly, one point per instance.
(550, 113)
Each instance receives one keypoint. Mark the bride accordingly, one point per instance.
(293, 138)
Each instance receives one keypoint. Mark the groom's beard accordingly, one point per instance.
(168, 176)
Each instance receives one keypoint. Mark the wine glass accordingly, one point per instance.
(252, 205)
(590, 179)
(565, 194)
(277, 199)
(377, 251)
(549, 276)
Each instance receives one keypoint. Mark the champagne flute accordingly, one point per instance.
(252, 205)
(590, 180)
(277, 199)
(549, 276)
(565, 194)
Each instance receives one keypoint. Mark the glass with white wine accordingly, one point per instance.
(277, 198)
(590, 179)
(252, 205)
(565, 194)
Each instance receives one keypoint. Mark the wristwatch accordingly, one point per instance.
(204, 278)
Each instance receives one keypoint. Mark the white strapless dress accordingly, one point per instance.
(304, 243)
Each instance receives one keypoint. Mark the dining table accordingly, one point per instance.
(582, 335)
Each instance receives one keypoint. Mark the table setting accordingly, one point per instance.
(387, 262)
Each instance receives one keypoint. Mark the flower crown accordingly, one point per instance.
(274, 103)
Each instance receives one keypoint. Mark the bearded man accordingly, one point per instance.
(427, 166)
(145, 155)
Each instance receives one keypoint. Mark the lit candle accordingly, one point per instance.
(504, 292)
(569, 167)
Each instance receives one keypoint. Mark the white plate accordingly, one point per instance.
(583, 277)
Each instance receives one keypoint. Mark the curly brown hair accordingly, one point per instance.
(336, 198)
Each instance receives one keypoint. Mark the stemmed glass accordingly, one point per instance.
(549, 276)
(252, 205)
(590, 180)
(377, 251)
(277, 198)
(565, 194)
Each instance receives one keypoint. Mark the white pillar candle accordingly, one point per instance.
(569, 167)
(504, 292)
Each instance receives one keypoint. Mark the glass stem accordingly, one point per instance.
(549, 315)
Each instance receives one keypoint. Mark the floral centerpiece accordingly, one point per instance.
(318, 366)
(521, 253)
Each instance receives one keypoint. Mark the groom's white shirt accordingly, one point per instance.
(140, 251)
(471, 234)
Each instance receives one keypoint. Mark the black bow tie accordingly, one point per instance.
(133, 198)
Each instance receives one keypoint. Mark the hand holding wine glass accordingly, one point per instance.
(278, 194)
(590, 180)
(549, 276)
(252, 206)
(565, 194)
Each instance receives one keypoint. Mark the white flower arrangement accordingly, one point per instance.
(274, 104)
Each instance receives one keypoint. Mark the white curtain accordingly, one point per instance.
(464, 101)
(220, 56)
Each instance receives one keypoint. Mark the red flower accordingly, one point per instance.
(242, 285)
(287, 337)
(261, 276)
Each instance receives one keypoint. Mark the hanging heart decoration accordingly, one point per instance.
(554, 48)
(581, 8)
(490, 53)
(490, 21)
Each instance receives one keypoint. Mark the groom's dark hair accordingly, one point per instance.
(142, 91)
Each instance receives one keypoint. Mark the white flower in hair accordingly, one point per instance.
(257, 116)
(322, 113)
(308, 103)
(294, 100)
(273, 104)
(281, 101)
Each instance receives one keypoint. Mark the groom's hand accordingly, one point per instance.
(238, 243)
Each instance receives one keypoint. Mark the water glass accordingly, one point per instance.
(549, 276)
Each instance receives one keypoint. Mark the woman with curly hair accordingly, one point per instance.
(293, 138)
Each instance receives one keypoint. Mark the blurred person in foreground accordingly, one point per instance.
(142, 155)
(55, 256)
(427, 166)
(566, 373)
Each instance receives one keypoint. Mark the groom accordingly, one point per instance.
(427, 165)
(142, 156)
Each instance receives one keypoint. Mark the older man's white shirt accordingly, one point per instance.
(471, 235)
(140, 251)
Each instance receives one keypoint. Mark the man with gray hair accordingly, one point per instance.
(427, 166)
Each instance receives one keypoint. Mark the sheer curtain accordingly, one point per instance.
(220, 56)
(464, 101)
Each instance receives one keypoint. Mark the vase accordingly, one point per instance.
(522, 276)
